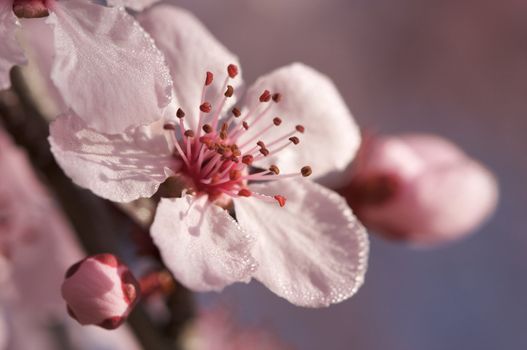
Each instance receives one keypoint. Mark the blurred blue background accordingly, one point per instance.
(457, 68)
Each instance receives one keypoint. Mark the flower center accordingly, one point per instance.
(31, 8)
(215, 162)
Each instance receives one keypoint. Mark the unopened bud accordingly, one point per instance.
(100, 290)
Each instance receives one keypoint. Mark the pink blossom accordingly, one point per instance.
(101, 58)
(242, 157)
(420, 188)
(216, 329)
(100, 290)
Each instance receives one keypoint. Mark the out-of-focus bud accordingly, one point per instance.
(420, 188)
(100, 290)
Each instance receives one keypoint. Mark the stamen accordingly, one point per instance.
(180, 114)
(294, 140)
(189, 133)
(232, 70)
(248, 159)
(244, 192)
(205, 107)
(209, 78)
(207, 128)
(280, 199)
(230, 91)
(306, 171)
(169, 126)
(300, 128)
(274, 169)
(236, 112)
(277, 121)
(265, 96)
(245, 125)
(264, 151)
(277, 97)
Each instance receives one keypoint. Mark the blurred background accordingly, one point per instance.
(457, 68)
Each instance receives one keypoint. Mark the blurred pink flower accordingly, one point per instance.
(101, 58)
(311, 250)
(420, 188)
(216, 329)
(36, 247)
(100, 290)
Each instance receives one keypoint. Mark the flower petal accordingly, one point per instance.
(106, 67)
(312, 252)
(117, 167)
(10, 52)
(191, 51)
(310, 99)
(201, 244)
(136, 5)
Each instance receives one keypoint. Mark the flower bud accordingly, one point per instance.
(420, 188)
(100, 290)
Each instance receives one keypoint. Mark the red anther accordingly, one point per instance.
(209, 78)
(230, 91)
(280, 199)
(180, 114)
(236, 112)
(306, 171)
(205, 107)
(261, 144)
(247, 159)
(277, 121)
(235, 175)
(277, 97)
(294, 140)
(235, 159)
(300, 128)
(189, 133)
(245, 125)
(232, 69)
(274, 169)
(207, 128)
(244, 192)
(169, 126)
(265, 96)
(235, 151)
(264, 151)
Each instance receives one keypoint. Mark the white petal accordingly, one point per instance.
(10, 52)
(117, 167)
(201, 244)
(312, 252)
(331, 137)
(191, 51)
(107, 68)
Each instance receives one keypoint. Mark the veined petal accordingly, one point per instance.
(106, 67)
(120, 168)
(310, 99)
(10, 52)
(312, 252)
(191, 51)
(201, 244)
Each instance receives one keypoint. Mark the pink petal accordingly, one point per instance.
(106, 67)
(312, 252)
(331, 137)
(439, 193)
(10, 52)
(201, 244)
(117, 167)
(191, 51)
(136, 5)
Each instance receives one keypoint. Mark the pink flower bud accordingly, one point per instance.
(420, 188)
(100, 290)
